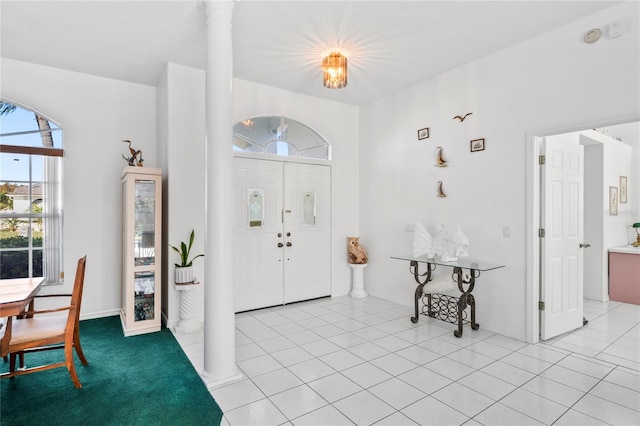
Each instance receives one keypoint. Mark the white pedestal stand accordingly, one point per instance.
(357, 280)
(187, 324)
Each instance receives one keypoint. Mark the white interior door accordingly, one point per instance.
(257, 200)
(562, 202)
(307, 226)
(282, 232)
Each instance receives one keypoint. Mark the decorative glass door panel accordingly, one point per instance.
(144, 285)
(144, 239)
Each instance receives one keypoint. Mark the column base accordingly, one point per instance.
(190, 326)
(214, 383)
(357, 280)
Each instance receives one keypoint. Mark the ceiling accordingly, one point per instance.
(391, 44)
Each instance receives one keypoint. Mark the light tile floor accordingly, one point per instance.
(344, 361)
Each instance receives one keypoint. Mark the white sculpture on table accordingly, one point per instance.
(422, 242)
(460, 243)
(451, 245)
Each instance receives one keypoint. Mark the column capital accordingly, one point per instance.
(218, 10)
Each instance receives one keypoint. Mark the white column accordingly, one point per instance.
(219, 320)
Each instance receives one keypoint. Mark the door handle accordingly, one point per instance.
(280, 245)
(582, 245)
(289, 244)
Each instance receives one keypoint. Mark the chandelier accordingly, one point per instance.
(334, 71)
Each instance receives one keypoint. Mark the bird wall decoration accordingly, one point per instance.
(462, 118)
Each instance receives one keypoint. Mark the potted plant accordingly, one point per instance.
(184, 269)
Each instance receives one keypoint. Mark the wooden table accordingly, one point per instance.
(17, 293)
(15, 296)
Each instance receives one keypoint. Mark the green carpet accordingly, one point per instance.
(135, 380)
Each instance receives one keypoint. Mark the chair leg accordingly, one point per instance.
(76, 344)
(68, 354)
(12, 362)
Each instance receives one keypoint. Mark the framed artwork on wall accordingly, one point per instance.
(477, 145)
(623, 190)
(423, 133)
(613, 200)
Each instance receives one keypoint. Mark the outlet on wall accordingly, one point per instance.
(506, 232)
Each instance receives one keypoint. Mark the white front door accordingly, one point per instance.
(257, 200)
(282, 232)
(562, 199)
(307, 226)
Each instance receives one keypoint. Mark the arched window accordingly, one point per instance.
(30, 195)
(279, 136)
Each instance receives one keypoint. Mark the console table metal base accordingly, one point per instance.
(441, 306)
(448, 308)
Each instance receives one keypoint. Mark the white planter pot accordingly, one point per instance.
(184, 275)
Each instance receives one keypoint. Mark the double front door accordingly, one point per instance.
(282, 232)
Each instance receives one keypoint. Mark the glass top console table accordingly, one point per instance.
(451, 309)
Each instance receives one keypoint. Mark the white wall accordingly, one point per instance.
(594, 277)
(617, 156)
(96, 114)
(552, 82)
(182, 142)
(181, 93)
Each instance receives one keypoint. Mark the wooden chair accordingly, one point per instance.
(34, 334)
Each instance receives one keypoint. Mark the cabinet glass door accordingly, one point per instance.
(144, 240)
(144, 284)
(144, 250)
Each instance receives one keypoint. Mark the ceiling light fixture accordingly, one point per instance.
(334, 71)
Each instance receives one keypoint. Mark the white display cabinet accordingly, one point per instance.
(141, 250)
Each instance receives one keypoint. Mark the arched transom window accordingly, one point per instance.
(279, 136)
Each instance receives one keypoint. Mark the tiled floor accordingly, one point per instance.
(346, 361)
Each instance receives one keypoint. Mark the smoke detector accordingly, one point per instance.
(592, 36)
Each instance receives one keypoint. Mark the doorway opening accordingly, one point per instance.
(592, 140)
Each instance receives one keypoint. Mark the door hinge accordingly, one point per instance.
(541, 306)
(541, 159)
(541, 232)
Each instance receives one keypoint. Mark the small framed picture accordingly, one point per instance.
(613, 200)
(623, 190)
(423, 133)
(477, 145)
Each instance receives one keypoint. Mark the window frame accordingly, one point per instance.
(51, 201)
